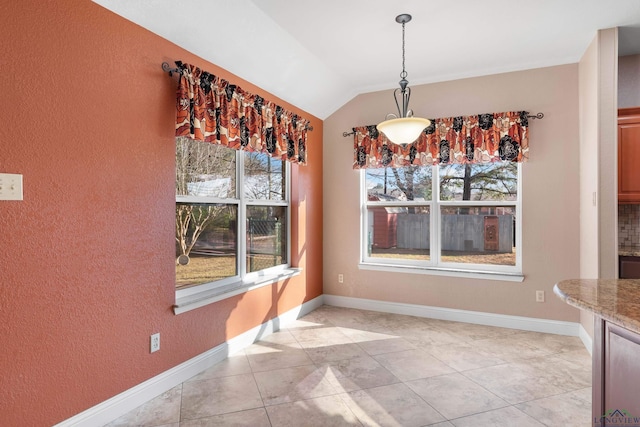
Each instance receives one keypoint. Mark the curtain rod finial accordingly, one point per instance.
(167, 69)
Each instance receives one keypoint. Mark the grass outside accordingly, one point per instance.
(205, 269)
(412, 254)
(491, 258)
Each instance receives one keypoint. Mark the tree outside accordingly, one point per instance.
(479, 182)
(204, 170)
(207, 227)
(457, 182)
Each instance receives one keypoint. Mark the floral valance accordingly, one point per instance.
(211, 109)
(482, 138)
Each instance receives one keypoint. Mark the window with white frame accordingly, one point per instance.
(232, 214)
(457, 217)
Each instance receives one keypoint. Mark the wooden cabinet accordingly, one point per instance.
(616, 345)
(616, 373)
(629, 155)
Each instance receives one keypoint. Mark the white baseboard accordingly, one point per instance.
(586, 339)
(481, 318)
(115, 407)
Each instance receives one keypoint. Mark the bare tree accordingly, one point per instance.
(191, 221)
(405, 184)
(202, 169)
(490, 181)
(264, 177)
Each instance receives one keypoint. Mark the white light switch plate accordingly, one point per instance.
(10, 186)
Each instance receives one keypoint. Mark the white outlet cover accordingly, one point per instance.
(155, 343)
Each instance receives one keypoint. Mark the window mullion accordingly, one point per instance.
(434, 244)
(257, 202)
(287, 192)
(204, 199)
(519, 222)
(289, 210)
(242, 216)
(364, 221)
(402, 204)
(481, 203)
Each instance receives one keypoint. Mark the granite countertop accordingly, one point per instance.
(617, 301)
(629, 251)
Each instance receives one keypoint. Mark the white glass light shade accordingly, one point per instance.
(403, 131)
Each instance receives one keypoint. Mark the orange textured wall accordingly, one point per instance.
(87, 259)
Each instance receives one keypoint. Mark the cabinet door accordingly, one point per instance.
(621, 371)
(629, 155)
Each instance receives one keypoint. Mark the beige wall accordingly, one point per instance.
(551, 231)
(598, 161)
(628, 81)
(588, 84)
(588, 170)
(608, 152)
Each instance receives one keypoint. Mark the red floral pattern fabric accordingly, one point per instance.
(211, 109)
(483, 138)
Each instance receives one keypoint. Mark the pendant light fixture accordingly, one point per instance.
(403, 129)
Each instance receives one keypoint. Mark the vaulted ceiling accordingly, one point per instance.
(318, 55)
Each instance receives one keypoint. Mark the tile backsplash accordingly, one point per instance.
(629, 225)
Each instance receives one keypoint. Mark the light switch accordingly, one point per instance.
(10, 186)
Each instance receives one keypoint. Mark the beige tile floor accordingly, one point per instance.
(345, 367)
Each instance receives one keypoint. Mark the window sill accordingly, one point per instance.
(438, 271)
(191, 302)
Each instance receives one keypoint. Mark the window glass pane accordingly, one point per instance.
(394, 184)
(266, 237)
(206, 243)
(491, 181)
(478, 235)
(205, 169)
(263, 177)
(398, 232)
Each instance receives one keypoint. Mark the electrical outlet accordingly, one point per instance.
(340, 278)
(155, 342)
(10, 186)
(539, 296)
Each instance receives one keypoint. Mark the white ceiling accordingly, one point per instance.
(319, 54)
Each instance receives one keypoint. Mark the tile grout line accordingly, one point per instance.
(572, 367)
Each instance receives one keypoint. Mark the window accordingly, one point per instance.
(458, 217)
(232, 215)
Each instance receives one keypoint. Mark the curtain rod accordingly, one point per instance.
(530, 116)
(167, 69)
